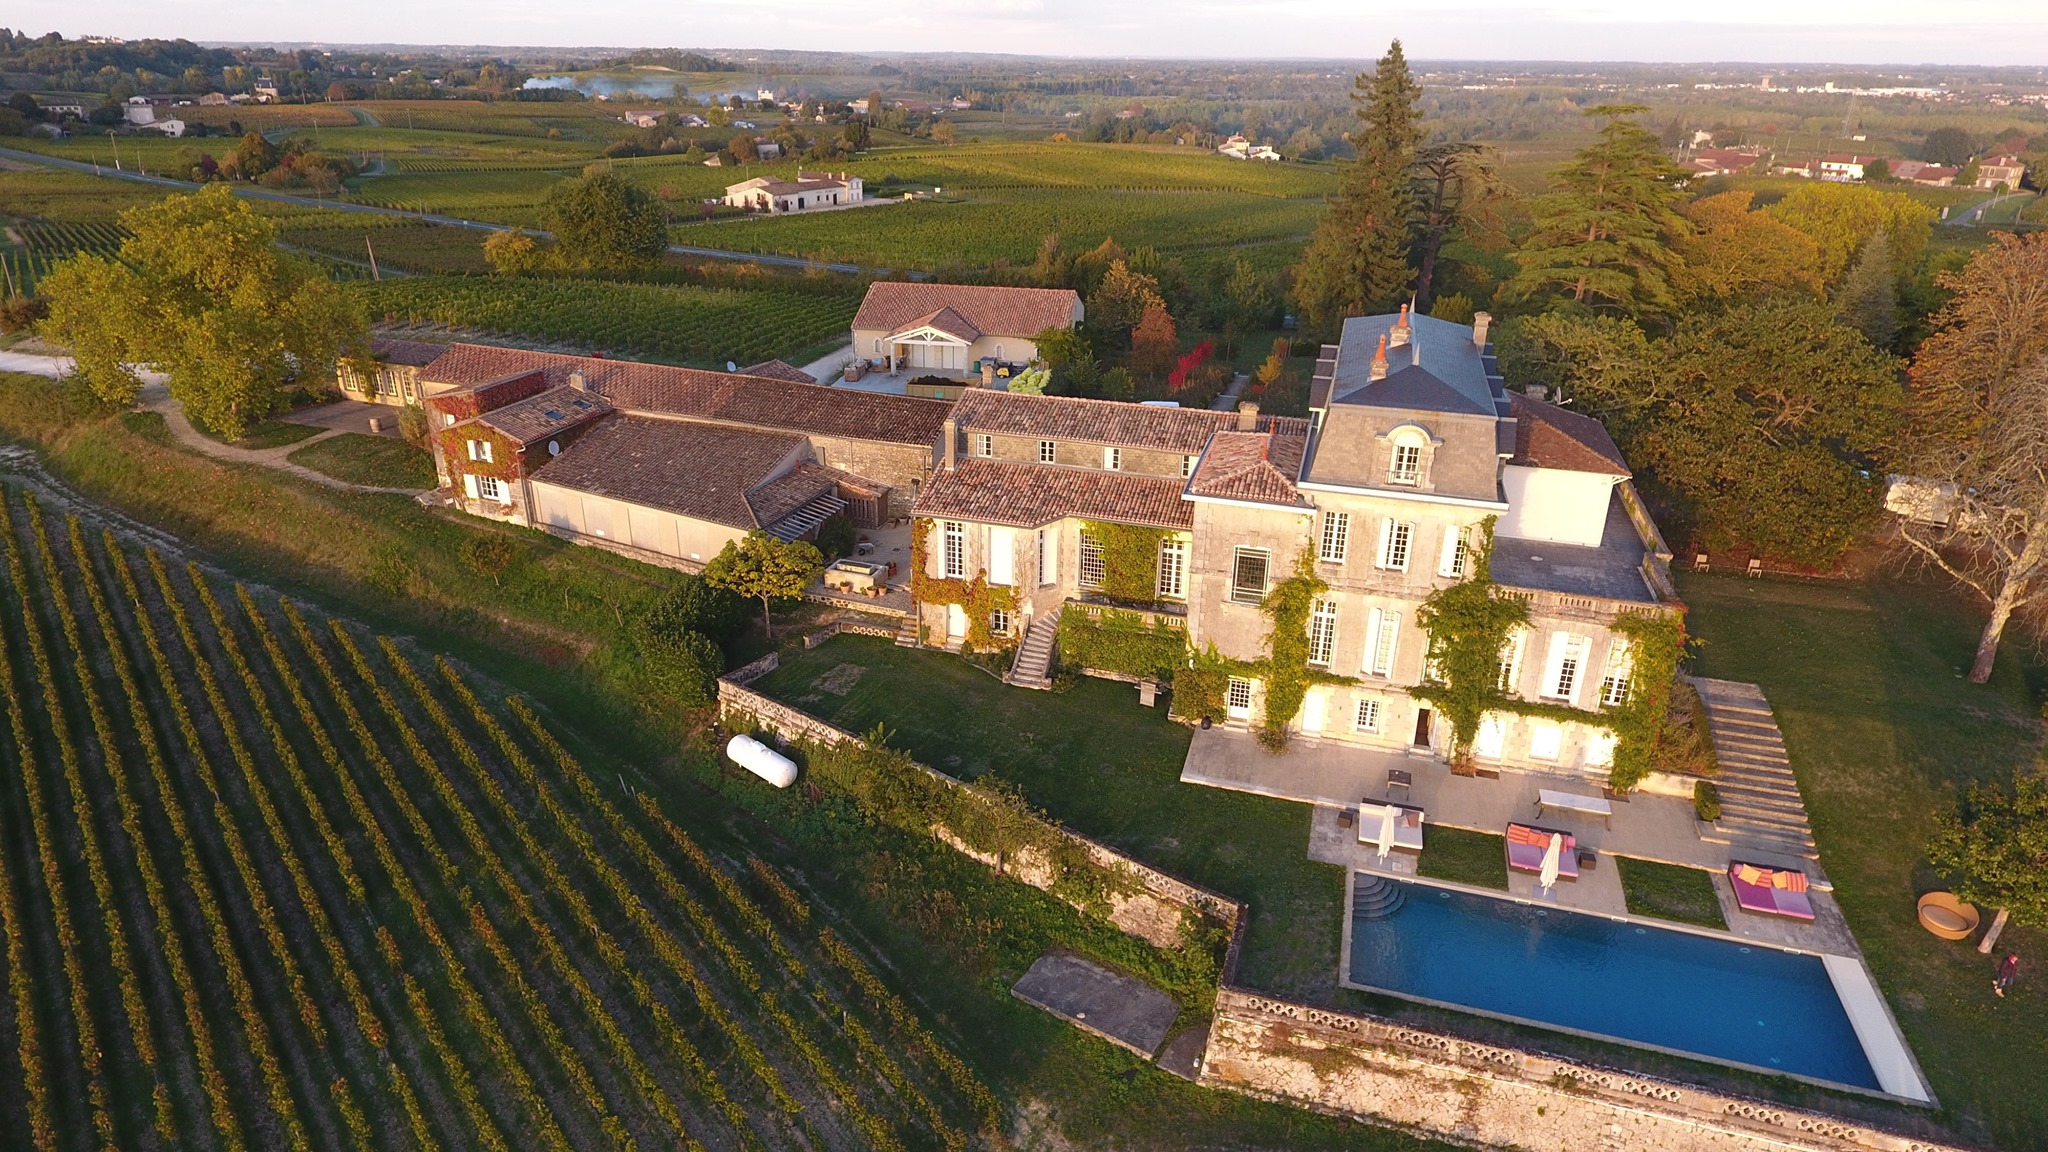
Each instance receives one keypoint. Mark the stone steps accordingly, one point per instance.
(906, 633)
(1762, 809)
(1034, 654)
(1375, 897)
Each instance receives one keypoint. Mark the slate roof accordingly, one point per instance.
(1031, 495)
(1256, 466)
(703, 471)
(1182, 430)
(891, 306)
(1547, 436)
(726, 397)
(545, 413)
(779, 370)
(1438, 370)
(417, 353)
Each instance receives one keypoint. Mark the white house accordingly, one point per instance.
(807, 193)
(1239, 148)
(948, 327)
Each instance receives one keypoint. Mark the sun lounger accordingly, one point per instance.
(1776, 891)
(1527, 844)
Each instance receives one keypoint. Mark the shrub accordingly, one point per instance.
(18, 312)
(681, 670)
(836, 537)
(412, 425)
(1706, 800)
(693, 605)
(490, 554)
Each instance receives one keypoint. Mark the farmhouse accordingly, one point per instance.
(808, 192)
(666, 464)
(1843, 166)
(953, 327)
(396, 379)
(1192, 518)
(1995, 170)
(1921, 172)
(1722, 161)
(1239, 148)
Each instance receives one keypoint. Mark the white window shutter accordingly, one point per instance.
(1447, 562)
(1002, 556)
(1553, 662)
(1392, 628)
(469, 484)
(1049, 555)
(484, 446)
(471, 445)
(504, 491)
(1386, 542)
(1372, 642)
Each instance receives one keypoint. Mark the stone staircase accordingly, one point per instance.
(1375, 897)
(1761, 808)
(906, 633)
(1034, 655)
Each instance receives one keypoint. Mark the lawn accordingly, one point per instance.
(264, 434)
(360, 458)
(1670, 892)
(1103, 765)
(1462, 857)
(1882, 728)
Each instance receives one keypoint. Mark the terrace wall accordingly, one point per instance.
(1431, 1083)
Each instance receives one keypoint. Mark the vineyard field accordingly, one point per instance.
(397, 242)
(271, 882)
(685, 324)
(43, 243)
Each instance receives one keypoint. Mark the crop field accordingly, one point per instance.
(69, 197)
(43, 243)
(686, 324)
(587, 122)
(266, 117)
(269, 882)
(397, 242)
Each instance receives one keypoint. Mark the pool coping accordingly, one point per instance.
(1344, 981)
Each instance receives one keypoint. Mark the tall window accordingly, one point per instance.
(1382, 636)
(984, 444)
(1407, 464)
(1336, 539)
(1173, 569)
(1322, 632)
(1396, 537)
(1614, 685)
(1455, 560)
(955, 550)
(1249, 568)
(1113, 459)
(1367, 718)
(1048, 452)
(1091, 561)
(1511, 661)
(1566, 665)
(1187, 466)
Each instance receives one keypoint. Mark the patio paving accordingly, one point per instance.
(348, 416)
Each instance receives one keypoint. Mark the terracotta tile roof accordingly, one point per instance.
(702, 471)
(1547, 436)
(1183, 430)
(779, 370)
(890, 307)
(1030, 495)
(1258, 466)
(545, 413)
(792, 490)
(727, 397)
(418, 353)
(946, 320)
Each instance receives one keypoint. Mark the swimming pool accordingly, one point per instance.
(1686, 993)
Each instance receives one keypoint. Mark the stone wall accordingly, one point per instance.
(1433, 1084)
(1153, 913)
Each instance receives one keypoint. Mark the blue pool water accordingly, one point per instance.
(1758, 1006)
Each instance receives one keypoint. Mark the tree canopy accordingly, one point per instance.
(200, 293)
(1357, 262)
(603, 224)
(1994, 849)
(1733, 253)
(1603, 237)
(1841, 217)
(760, 567)
(1949, 145)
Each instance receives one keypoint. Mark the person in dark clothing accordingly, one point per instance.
(2007, 973)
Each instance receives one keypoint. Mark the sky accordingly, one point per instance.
(1767, 31)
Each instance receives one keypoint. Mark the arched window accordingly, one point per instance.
(1404, 463)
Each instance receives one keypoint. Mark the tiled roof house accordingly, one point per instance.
(950, 327)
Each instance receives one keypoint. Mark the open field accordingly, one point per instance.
(1882, 728)
(679, 323)
(360, 458)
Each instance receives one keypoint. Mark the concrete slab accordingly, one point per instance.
(1121, 1009)
(348, 416)
(1897, 1072)
(1183, 1054)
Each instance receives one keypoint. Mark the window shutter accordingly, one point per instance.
(1391, 635)
(504, 491)
(1447, 562)
(1553, 662)
(1002, 556)
(484, 447)
(1372, 642)
(471, 444)
(469, 483)
(1049, 556)
(1386, 542)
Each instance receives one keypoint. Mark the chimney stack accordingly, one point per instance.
(1399, 336)
(952, 443)
(577, 381)
(1480, 322)
(1379, 362)
(1247, 416)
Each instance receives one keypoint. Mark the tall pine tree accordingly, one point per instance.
(1603, 237)
(1358, 261)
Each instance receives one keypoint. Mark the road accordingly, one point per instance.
(429, 217)
(1972, 215)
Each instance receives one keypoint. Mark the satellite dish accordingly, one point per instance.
(731, 367)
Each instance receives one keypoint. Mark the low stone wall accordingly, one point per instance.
(847, 627)
(1434, 1084)
(1153, 914)
(748, 673)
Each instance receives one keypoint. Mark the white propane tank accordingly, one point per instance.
(761, 760)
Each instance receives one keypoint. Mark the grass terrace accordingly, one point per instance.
(1670, 892)
(360, 458)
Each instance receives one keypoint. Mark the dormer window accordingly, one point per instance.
(1406, 467)
(1048, 452)
(1113, 459)
(984, 445)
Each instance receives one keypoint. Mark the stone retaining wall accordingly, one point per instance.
(1431, 1083)
(1152, 914)
(847, 627)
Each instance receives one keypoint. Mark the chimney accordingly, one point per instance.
(1399, 336)
(952, 442)
(1379, 362)
(577, 381)
(1247, 416)
(1480, 322)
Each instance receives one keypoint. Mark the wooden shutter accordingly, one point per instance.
(1386, 559)
(469, 483)
(1553, 662)
(1049, 555)
(1447, 561)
